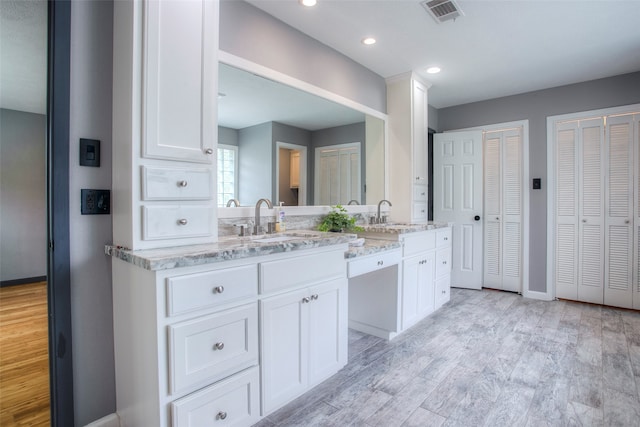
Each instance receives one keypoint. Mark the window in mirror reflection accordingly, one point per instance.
(227, 173)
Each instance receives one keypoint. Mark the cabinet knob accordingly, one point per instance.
(305, 300)
(182, 183)
(381, 262)
(584, 220)
(218, 346)
(182, 221)
(221, 415)
(626, 221)
(218, 289)
(209, 151)
(314, 297)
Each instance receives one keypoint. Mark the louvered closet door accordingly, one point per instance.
(492, 210)
(503, 210)
(636, 234)
(591, 211)
(618, 280)
(566, 205)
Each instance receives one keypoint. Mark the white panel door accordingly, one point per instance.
(591, 211)
(618, 281)
(457, 185)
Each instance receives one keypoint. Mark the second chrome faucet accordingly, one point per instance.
(257, 229)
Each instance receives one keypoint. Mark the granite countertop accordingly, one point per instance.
(371, 246)
(227, 248)
(399, 228)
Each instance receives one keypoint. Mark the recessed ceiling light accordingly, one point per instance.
(433, 70)
(368, 40)
(308, 3)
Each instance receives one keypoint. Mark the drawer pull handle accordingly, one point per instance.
(218, 346)
(209, 151)
(221, 415)
(444, 262)
(305, 300)
(314, 297)
(182, 221)
(218, 289)
(380, 262)
(446, 238)
(182, 183)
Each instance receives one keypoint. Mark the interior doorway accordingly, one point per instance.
(291, 174)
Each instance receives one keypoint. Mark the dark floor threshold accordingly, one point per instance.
(24, 281)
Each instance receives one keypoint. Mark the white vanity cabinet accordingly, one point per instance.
(407, 107)
(303, 323)
(186, 344)
(164, 123)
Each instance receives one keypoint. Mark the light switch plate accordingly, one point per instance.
(89, 152)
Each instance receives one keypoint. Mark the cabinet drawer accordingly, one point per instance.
(176, 184)
(174, 222)
(301, 270)
(443, 261)
(420, 193)
(420, 211)
(419, 242)
(373, 262)
(443, 237)
(212, 347)
(232, 402)
(210, 289)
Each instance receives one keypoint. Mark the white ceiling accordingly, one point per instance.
(497, 48)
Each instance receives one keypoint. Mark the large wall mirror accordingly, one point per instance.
(293, 146)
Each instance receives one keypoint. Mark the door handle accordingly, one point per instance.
(476, 218)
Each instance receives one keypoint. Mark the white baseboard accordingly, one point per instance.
(110, 420)
(544, 296)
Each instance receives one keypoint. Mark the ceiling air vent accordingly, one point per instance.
(442, 10)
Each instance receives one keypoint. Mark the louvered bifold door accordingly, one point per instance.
(591, 211)
(636, 215)
(565, 266)
(618, 286)
(512, 210)
(492, 210)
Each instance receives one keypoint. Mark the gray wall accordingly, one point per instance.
(227, 136)
(536, 107)
(340, 135)
(91, 300)
(250, 33)
(255, 163)
(23, 216)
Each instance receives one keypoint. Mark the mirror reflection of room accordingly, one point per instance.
(293, 147)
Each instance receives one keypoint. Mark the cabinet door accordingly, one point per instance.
(442, 290)
(327, 329)
(285, 341)
(419, 128)
(179, 91)
(417, 288)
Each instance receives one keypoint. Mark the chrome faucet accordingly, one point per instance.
(235, 202)
(256, 227)
(379, 218)
(353, 202)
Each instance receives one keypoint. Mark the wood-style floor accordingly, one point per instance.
(487, 358)
(24, 356)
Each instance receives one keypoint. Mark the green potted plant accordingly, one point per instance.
(338, 220)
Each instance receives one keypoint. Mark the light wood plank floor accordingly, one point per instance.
(487, 358)
(24, 356)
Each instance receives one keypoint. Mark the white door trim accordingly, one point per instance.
(524, 124)
(302, 189)
(551, 144)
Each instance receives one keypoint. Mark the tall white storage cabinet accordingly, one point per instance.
(164, 122)
(407, 107)
(597, 198)
(503, 209)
